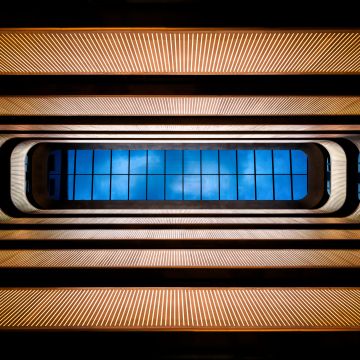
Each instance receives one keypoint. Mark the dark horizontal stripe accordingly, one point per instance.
(181, 120)
(287, 85)
(179, 13)
(217, 277)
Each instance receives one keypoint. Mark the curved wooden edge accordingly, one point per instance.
(4, 218)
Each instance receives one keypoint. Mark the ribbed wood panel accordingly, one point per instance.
(208, 131)
(178, 105)
(155, 51)
(194, 258)
(179, 234)
(152, 222)
(221, 309)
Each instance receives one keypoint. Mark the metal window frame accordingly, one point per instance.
(316, 181)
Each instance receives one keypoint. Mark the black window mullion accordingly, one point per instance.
(219, 174)
(92, 175)
(273, 173)
(291, 178)
(183, 171)
(237, 176)
(165, 174)
(111, 157)
(255, 173)
(307, 177)
(129, 176)
(146, 176)
(74, 189)
(201, 175)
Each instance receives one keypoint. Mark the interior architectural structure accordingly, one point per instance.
(179, 181)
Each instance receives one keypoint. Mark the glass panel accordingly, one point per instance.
(328, 175)
(264, 187)
(246, 187)
(299, 186)
(156, 161)
(137, 162)
(102, 161)
(201, 180)
(228, 189)
(227, 161)
(174, 187)
(263, 160)
(299, 162)
(120, 161)
(101, 190)
(192, 187)
(54, 162)
(119, 187)
(54, 187)
(245, 161)
(210, 161)
(281, 161)
(84, 161)
(174, 162)
(137, 187)
(83, 184)
(70, 187)
(282, 187)
(70, 161)
(155, 190)
(191, 161)
(210, 187)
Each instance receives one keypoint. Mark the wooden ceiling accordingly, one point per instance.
(181, 51)
(178, 105)
(112, 43)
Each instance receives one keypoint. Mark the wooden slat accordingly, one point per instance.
(175, 51)
(202, 309)
(179, 258)
(179, 234)
(174, 130)
(178, 105)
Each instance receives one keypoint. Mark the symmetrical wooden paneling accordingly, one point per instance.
(166, 219)
(178, 105)
(179, 258)
(231, 131)
(179, 234)
(334, 203)
(206, 309)
(170, 51)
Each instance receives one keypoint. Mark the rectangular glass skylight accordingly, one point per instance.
(155, 175)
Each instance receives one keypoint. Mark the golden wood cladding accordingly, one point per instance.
(206, 309)
(177, 131)
(179, 234)
(178, 105)
(171, 51)
(179, 258)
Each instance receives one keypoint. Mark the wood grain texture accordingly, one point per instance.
(173, 51)
(178, 105)
(179, 258)
(181, 309)
(179, 234)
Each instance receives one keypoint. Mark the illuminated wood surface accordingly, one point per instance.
(221, 309)
(179, 234)
(179, 258)
(173, 51)
(178, 105)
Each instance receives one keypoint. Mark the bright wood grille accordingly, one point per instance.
(181, 308)
(179, 258)
(158, 51)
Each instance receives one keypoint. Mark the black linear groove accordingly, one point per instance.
(255, 85)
